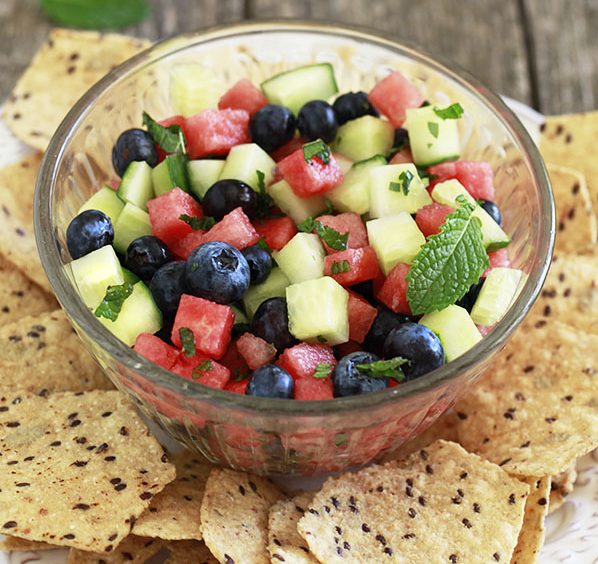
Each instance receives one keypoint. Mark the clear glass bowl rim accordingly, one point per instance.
(76, 310)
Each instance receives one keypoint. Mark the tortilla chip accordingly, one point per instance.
(442, 504)
(284, 541)
(77, 468)
(234, 516)
(174, 512)
(561, 486)
(576, 225)
(15, 544)
(531, 537)
(537, 411)
(63, 69)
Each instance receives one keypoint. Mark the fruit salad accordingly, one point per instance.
(287, 241)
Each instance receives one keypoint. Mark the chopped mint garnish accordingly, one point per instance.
(433, 128)
(188, 341)
(390, 368)
(261, 185)
(329, 206)
(170, 139)
(177, 170)
(113, 301)
(318, 149)
(264, 200)
(454, 111)
(201, 369)
(261, 242)
(323, 370)
(403, 184)
(422, 172)
(321, 339)
(330, 236)
(198, 224)
(339, 267)
(449, 263)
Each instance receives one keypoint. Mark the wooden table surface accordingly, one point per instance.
(542, 52)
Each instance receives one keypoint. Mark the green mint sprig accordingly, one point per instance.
(188, 341)
(170, 139)
(454, 111)
(317, 149)
(264, 200)
(390, 368)
(113, 301)
(201, 369)
(405, 179)
(330, 236)
(340, 266)
(323, 370)
(198, 224)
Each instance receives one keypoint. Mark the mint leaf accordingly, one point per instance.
(330, 236)
(261, 242)
(339, 267)
(318, 149)
(264, 200)
(390, 368)
(95, 14)
(422, 172)
(329, 206)
(113, 301)
(188, 341)
(171, 139)
(403, 184)
(433, 128)
(449, 263)
(201, 369)
(261, 184)
(198, 224)
(323, 370)
(454, 111)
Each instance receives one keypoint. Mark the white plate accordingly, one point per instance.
(571, 531)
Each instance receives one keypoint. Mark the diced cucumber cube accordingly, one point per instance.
(139, 314)
(136, 185)
(240, 317)
(170, 173)
(364, 137)
(194, 88)
(244, 161)
(395, 238)
(396, 188)
(302, 258)
(105, 200)
(93, 273)
(343, 162)
(493, 235)
(496, 296)
(130, 277)
(131, 224)
(455, 329)
(298, 209)
(202, 174)
(273, 287)
(318, 311)
(431, 138)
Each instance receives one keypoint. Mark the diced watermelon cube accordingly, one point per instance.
(309, 177)
(210, 323)
(347, 348)
(362, 265)
(431, 217)
(361, 317)
(276, 231)
(243, 95)
(347, 222)
(301, 360)
(202, 369)
(182, 248)
(255, 350)
(237, 386)
(404, 156)
(440, 173)
(155, 349)
(165, 211)
(393, 292)
(288, 148)
(484, 330)
(216, 132)
(314, 389)
(235, 363)
(498, 259)
(393, 95)
(235, 229)
(174, 120)
(476, 176)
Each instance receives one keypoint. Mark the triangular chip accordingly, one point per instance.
(15, 544)
(561, 486)
(234, 516)
(77, 469)
(63, 69)
(442, 504)
(537, 411)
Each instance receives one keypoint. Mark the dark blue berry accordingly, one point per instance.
(146, 255)
(348, 380)
(492, 210)
(385, 321)
(133, 145)
(317, 120)
(271, 323)
(260, 263)
(401, 139)
(419, 345)
(470, 298)
(272, 126)
(270, 381)
(89, 231)
(353, 105)
(167, 287)
(226, 195)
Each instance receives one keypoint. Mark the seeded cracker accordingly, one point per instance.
(442, 504)
(15, 544)
(66, 65)
(531, 537)
(284, 541)
(234, 516)
(174, 512)
(561, 486)
(537, 411)
(76, 469)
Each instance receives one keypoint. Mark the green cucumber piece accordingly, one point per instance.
(496, 296)
(131, 224)
(136, 185)
(298, 209)
(130, 277)
(170, 173)
(202, 174)
(343, 162)
(244, 161)
(318, 311)
(296, 87)
(273, 287)
(455, 329)
(105, 200)
(364, 137)
(194, 88)
(302, 258)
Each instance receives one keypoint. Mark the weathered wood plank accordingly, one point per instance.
(485, 36)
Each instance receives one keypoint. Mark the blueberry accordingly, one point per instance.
(165, 333)
(385, 321)
(271, 323)
(272, 126)
(226, 195)
(133, 145)
(270, 381)
(259, 261)
(493, 210)
(146, 255)
(167, 286)
(218, 272)
(353, 105)
(317, 120)
(471, 296)
(401, 139)
(348, 380)
(419, 345)
(89, 231)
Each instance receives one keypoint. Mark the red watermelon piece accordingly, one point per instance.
(404, 156)
(363, 265)
(301, 360)
(237, 386)
(347, 222)
(235, 362)
(155, 349)
(393, 292)
(499, 258)
(476, 176)
(182, 248)
(216, 132)
(393, 95)
(288, 148)
(361, 317)
(202, 369)
(431, 217)
(313, 389)
(255, 350)
(243, 95)
(276, 231)
(307, 178)
(234, 228)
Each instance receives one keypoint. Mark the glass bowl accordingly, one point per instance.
(270, 436)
